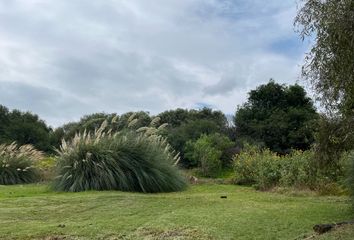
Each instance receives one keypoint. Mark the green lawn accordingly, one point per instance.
(34, 212)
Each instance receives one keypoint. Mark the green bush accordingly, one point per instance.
(261, 168)
(264, 169)
(46, 167)
(126, 161)
(246, 165)
(298, 170)
(207, 153)
(17, 164)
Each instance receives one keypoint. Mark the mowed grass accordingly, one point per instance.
(35, 212)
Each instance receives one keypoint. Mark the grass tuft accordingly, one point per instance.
(17, 164)
(126, 161)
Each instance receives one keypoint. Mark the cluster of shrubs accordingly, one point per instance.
(128, 160)
(265, 169)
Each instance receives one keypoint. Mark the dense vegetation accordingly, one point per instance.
(17, 164)
(278, 117)
(131, 153)
(329, 67)
(24, 128)
(126, 161)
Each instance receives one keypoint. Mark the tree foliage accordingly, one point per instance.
(188, 125)
(329, 65)
(24, 128)
(207, 153)
(282, 117)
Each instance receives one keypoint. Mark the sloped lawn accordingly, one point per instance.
(34, 212)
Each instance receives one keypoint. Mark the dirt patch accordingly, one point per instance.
(175, 234)
(56, 238)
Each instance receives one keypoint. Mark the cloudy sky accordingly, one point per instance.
(62, 59)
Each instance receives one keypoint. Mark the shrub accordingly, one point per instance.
(126, 161)
(207, 153)
(17, 164)
(245, 165)
(264, 169)
(298, 170)
(209, 161)
(261, 168)
(46, 168)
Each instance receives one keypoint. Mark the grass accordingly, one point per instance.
(34, 212)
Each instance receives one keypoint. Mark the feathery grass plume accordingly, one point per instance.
(154, 122)
(17, 164)
(127, 161)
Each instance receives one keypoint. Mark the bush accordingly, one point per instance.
(207, 153)
(46, 168)
(245, 165)
(17, 164)
(261, 168)
(264, 169)
(298, 170)
(126, 161)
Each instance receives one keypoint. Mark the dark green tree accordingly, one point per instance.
(179, 116)
(281, 117)
(188, 125)
(24, 128)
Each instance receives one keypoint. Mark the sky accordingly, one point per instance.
(62, 59)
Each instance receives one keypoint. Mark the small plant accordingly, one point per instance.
(139, 161)
(17, 164)
(46, 168)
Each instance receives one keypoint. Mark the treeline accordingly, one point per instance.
(275, 116)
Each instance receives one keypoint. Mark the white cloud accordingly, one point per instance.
(63, 59)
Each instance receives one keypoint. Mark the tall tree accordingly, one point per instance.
(24, 128)
(329, 65)
(278, 116)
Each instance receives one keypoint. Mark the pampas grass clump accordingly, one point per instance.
(139, 161)
(17, 164)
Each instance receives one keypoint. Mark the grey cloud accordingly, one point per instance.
(68, 58)
(224, 86)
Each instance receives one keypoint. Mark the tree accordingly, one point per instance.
(24, 128)
(281, 117)
(209, 153)
(191, 130)
(329, 65)
(179, 116)
(4, 123)
(185, 125)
